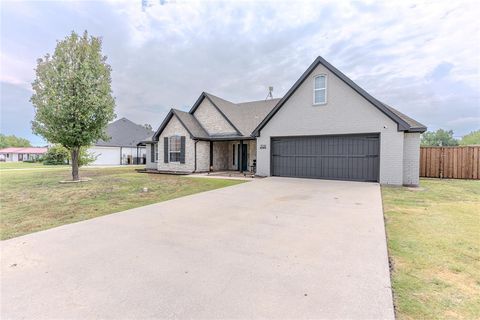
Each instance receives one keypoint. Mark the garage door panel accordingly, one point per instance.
(349, 157)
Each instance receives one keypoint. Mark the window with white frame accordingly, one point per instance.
(174, 145)
(320, 89)
(156, 151)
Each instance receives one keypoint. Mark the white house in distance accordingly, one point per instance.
(19, 154)
(123, 146)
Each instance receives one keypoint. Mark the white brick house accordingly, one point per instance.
(324, 127)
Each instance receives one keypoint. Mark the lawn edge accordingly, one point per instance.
(237, 183)
(391, 264)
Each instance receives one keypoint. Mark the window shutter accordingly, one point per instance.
(152, 153)
(165, 149)
(182, 149)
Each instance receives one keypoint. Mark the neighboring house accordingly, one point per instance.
(324, 127)
(122, 147)
(16, 154)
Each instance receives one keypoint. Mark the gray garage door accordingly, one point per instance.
(346, 157)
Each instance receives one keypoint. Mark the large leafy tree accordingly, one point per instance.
(439, 138)
(72, 95)
(13, 141)
(473, 138)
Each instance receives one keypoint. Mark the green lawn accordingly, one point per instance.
(22, 165)
(34, 200)
(434, 245)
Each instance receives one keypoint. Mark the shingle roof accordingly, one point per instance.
(191, 124)
(245, 116)
(148, 139)
(414, 124)
(30, 150)
(124, 133)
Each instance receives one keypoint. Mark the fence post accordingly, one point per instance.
(462, 162)
(440, 165)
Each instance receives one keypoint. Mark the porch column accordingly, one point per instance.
(211, 156)
(240, 157)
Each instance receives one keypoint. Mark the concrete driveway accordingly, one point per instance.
(271, 248)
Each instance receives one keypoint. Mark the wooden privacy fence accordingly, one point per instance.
(450, 162)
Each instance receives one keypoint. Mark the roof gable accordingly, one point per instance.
(243, 117)
(215, 101)
(124, 133)
(404, 123)
(187, 120)
(247, 115)
(213, 118)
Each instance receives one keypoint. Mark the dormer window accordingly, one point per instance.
(320, 89)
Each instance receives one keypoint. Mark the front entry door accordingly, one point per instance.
(243, 157)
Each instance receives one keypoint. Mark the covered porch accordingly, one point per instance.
(233, 155)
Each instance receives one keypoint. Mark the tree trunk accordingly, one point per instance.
(75, 153)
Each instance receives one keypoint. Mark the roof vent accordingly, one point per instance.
(270, 93)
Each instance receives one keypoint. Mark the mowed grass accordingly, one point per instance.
(34, 200)
(22, 165)
(434, 245)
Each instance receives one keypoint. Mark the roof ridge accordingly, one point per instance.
(178, 110)
(217, 97)
(243, 117)
(237, 103)
(261, 100)
(125, 119)
(123, 132)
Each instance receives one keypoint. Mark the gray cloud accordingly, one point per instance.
(407, 55)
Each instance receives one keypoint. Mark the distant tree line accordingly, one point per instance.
(13, 141)
(444, 138)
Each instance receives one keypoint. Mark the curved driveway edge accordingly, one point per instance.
(271, 248)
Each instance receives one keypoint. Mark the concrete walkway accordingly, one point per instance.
(272, 248)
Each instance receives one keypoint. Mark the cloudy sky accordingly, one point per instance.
(420, 56)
